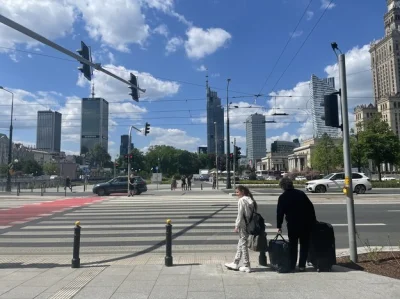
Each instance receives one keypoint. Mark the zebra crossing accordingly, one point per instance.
(121, 225)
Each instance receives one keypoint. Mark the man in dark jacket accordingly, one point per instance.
(300, 218)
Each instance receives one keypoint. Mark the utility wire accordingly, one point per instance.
(286, 45)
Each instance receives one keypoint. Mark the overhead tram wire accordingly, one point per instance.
(285, 47)
(302, 45)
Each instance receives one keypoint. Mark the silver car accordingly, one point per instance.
(335, 182)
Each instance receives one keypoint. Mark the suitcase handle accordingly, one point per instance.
(277, 235)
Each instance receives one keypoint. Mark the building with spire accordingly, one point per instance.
(94, 123)
(215, 113)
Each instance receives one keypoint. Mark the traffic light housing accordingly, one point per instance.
(131, 157)
(134, 91)
(231, 157)
(238, 153)
(331, 109)
(85, 68)
(146, 129)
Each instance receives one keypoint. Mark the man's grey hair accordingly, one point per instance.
(286, 183)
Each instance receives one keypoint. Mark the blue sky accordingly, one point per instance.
(169, 44)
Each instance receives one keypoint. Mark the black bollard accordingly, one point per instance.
(18, 188)
(41, 190)
(201, 186)
(76, 261)
(58, 187)
(168, 244)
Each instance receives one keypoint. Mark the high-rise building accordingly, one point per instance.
(283, 147)
(318, 89)
(123, 148)
(215, 113)
(48, 132)
(202, 150)
(385, 64)
(94, 126)
(256, 138)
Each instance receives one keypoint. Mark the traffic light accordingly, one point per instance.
(331, 110)
(131, 157)
(230, 157)
(134, 91)
(146, 129)
(238, 153)
(85, 68)
(126, 157)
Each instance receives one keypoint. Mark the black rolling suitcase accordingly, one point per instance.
(279, 254)
(322, 250)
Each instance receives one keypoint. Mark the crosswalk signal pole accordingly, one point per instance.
(234, 163)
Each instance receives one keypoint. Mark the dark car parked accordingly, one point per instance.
(119, 185)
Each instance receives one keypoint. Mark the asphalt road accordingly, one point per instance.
(376, 222)
(133, 225)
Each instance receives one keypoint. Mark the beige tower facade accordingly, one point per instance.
(363, 113)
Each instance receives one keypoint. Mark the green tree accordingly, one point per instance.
(98, 156)
(3, 170)
(31, 167)
(50, 168)
(357, 151)
(327, 156)
(380, 143)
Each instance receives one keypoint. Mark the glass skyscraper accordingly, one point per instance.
(215, 113)
(319, 88)
(94, 124)
(48, 131)
(256, 138)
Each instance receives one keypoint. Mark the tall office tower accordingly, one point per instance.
(215, 113)
(94, 124)
(385, 64)
(256, 139)
(123, 148)
(318, 89)
(48, 131)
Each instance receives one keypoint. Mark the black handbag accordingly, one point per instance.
(279, 254)
(258, 243)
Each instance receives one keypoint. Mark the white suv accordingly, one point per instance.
(335, 182)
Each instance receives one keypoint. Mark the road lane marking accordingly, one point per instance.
(361, 224)
(393, 210)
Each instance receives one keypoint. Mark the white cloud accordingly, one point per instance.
(173, 45)
(162, 30)
(111, 57)
(113, 90)
(201, 68)
(117, 23)
(58, 22)
(201, 43)
(166, 6)
(297, 33)
(174, 137)
(71, 121)
(325, 4)
(215, 75)
(309, 15)
(359, 76)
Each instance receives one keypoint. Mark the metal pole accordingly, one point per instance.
(8, 185)
(129, 151)
(168, 244)
(49, 43)
(234, 163)
(228, 147)
(76, 261)
(348, 188)
(216, 154)
(158, 166)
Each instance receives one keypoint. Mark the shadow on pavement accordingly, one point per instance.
(162, 243)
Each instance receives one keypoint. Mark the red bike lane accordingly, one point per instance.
(28, 212)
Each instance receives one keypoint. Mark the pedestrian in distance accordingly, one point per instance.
(189, 182)
(300, 219)
(173, 183)
(246, 206)
(131, 180)
(214, 181)
(68, 184)
(183, 183)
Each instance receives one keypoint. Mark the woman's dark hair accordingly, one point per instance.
(247, 192)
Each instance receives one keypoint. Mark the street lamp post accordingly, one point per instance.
(216, 153)
(228, 147)
(8, 187)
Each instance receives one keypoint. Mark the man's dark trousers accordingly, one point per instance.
(294, 237)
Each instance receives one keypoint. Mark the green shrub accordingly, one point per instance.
(385, 184)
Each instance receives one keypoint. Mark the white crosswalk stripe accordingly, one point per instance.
(122, 225)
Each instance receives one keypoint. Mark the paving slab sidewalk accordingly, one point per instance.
(192, 276)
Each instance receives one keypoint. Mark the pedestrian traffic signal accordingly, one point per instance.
(85, 68)
(331, 108)
(126, 157)
(130, 157)
(134, 90)
(146, 129)
(230, 157)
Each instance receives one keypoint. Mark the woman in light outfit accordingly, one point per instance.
(246, 206)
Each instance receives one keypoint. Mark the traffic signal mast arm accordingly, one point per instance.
(57, 47)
